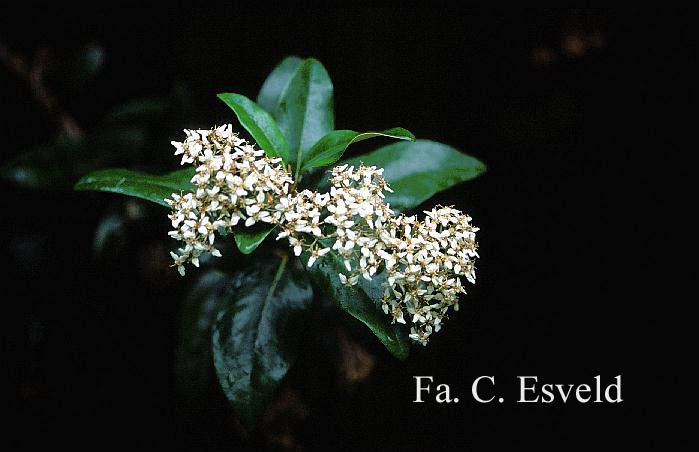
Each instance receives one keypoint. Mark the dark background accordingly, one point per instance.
(536, 95)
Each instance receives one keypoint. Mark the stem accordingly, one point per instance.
(277, 277)
(297, 177)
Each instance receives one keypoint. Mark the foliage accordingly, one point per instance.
(255, 327)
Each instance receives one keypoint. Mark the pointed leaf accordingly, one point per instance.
(330, 148)
(305, 111)
(259, 123)
(248, 239)
(277, 83)
(360, 301)
(254, 339)
(141, 185)
(157, 188)
(59, 165)
(416, 171)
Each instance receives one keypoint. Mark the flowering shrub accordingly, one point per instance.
(235, 183)
(382, 266)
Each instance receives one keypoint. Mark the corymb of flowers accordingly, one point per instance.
(422, 261)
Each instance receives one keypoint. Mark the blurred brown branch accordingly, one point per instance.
(34, 77)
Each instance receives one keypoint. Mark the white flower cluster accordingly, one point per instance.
(235, 182)
(424, 260)
(421, 261)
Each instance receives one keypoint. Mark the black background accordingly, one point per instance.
(560, 290)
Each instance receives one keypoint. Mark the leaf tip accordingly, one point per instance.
(81, 183)
(230, 97)
(481, 167)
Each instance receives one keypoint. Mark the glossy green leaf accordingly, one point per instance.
(141, 185)
(360, 301)
(210, 295)
(330, 148)
(254, 340)
(277, 83)
(248, 239)
(416, 171)
(305, 110)
(259, 123)
(157, 189)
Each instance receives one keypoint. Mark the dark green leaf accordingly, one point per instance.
(141, 185)
(277, 83)
(248, 239)
(253, 340)
(86, 65)
(305, 110)
(110, 232)
(416, 171)
(135, 111)
(58, 166)
(330, 148)
(259, 123)
(211, 295)
(360, 301)
(208, 297)
(157, 189)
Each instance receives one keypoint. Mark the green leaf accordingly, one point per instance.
(330, 148)
(59, 165)
(416, 171)
(248, 239)
(157, 189)
(210, 295)
(141, 185)
(305, 109)
(109, 235)
(360, 301)
(277, 83)
(254, 339)
(259, 123)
